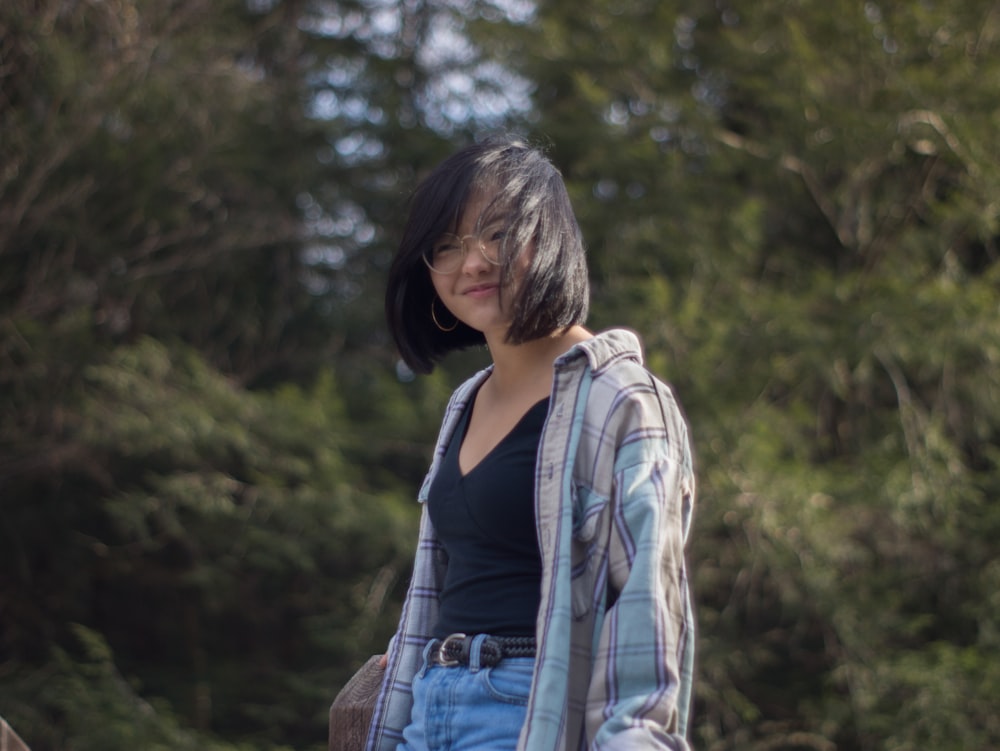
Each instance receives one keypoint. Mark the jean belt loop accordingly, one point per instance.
(475, 653)
(426, 661)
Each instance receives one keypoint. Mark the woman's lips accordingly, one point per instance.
(480, 290)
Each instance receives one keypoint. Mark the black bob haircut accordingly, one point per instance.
(527, 193)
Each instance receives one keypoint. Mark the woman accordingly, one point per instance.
(549, 602)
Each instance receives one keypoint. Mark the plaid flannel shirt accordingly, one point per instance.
(614, 494)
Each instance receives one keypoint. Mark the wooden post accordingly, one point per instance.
(351, 711)
(9, 740)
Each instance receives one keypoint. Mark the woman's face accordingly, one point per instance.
(472, 291)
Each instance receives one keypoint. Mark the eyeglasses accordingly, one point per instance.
(447, 254)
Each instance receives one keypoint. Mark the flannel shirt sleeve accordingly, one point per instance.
(641, 679)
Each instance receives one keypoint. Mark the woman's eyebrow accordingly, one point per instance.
(488, 220)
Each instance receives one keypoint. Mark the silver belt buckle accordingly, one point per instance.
(442, 658)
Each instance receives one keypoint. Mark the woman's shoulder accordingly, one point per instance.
(470, 385)
(624, 391)
(605, 349)
(617, 364)
(629, 386)
(459, 399)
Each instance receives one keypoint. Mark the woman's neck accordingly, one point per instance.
(525, 370)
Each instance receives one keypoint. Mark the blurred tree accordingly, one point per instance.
(142, 145)
(216, 543)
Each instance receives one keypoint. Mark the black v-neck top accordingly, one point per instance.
(486, 522)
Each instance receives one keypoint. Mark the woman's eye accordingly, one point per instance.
(445, 248)
(495, 235)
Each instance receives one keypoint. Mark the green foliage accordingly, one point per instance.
(144, 144)
(99, 709)
(233, 559)
(245, 527)
(230, 540)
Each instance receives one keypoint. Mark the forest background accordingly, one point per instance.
(209, 450)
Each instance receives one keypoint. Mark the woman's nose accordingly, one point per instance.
(473, 260)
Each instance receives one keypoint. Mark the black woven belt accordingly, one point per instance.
(454, 649)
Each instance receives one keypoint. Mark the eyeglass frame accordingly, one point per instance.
(478, 237)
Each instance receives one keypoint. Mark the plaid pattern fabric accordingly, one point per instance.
(614, 494)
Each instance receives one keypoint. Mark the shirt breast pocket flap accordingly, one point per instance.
(588, 512)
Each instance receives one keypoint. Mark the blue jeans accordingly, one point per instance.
(466, 708)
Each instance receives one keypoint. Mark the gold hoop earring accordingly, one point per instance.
(436, 323)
